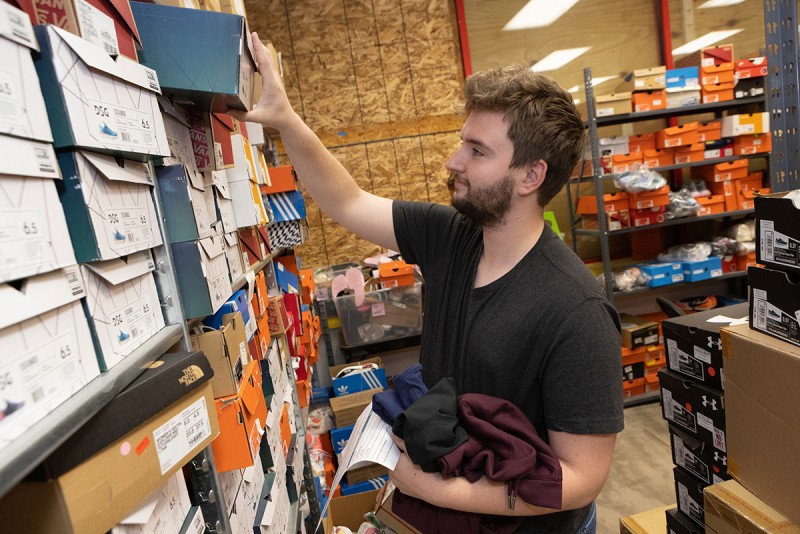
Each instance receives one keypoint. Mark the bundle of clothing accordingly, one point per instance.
(470, 435)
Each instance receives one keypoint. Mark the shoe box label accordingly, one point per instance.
(127, 227)
(123, 126)
(778, 247)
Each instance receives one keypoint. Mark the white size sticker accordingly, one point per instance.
(705, 422)
(24, 237)
(378, 309)
(177, 437)
(130, 323)
(702, 354)
(122, 126)
(127, 227)
(12, 110)
(219, 163)
(243, 354)
(97, 27)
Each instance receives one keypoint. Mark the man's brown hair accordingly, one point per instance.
(543, 123)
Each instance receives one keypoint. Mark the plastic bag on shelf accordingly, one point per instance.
(626, 279)
(724, 246)
(689, 252)
(744, 231)
(320, 420)
(697, 188)
(682, 204)
(639, 179)
(745, 247)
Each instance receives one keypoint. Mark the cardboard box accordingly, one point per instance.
(248, 206)
(774, 303)
(683, 78)
(34, 236)
(694, 407)
(745, 124)
(272, 513)
(236, 303)
(662, 274)
(243, 168)
(651, 382)
(720, 92)
(717, 73)
(613, 202)
(188, 204)
(689, 153)
(698, 457)
(122, 305)
(763, 428)
(204, 283)
(179, 137)
(163, 511)
(709, 131)
(778, 230)
(649, 100)
(621, 163)
(649, 522)
(680, 523)
(241, 420)
(726, 189)
(671, 137)
(733, 170)
(107, 24)
(711, 204)
(632, 363)
(347, 408)
(226, 350)
(729, 507)
(755, 67)
(715, 55)
(279, 321)
(637, 331)
(642, 142)
(618, 144)
(649, 199)
(721, 148)
(689, 494)
(205, 58)
(348, 511)
(48, 353)
(653, 158)
(355, 382)
(693, 343)
(353, 488)
(24, 112)
(696, 271)
(396, 274)
(194, 523)
(752, 182)
(233, 254)
(95, 102)
(647, 216)
(206, 155)
(631, 388)
(650, 79)
(22, 157)
(109, 208)
(749, 87)
(222, 127)
(79, 495)
(613, 104)
(678, 98)
(744, 145)
(282, 180)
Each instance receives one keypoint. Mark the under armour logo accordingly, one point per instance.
(714, 343)
(721, 458)
(712, 403)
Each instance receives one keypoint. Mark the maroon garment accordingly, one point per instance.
(504, 446)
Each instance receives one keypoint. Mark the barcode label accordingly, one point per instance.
(126, 136)
(177, 438)
(109, 49)
(37, 394)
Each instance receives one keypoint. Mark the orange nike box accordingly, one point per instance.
(716, 54)
(658, 157)
(720, 92)
(673, 136)
(726, 189)
(642, 142)
(743, 262)
(303, 392)
(744, 145)
(649, 100)
(631, 388)
(282, 180)
(748, 197)
(396, 274)
(309, 286)
(711, 204)
(613, 202)
(242, 418)
(709, 131)
(651, 383)
(286, 429)
(690, 153)
(754, 67)
(647, 216)
(649, 199)
(631, 356)
(717, 73)
(754, 180)
(624, 162)
(719, 172)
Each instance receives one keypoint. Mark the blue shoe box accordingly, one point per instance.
(695, 271)
(662, 274)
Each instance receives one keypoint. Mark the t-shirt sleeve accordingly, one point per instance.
(582, 384)
(419, 228)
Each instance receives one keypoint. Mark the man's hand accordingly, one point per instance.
(273, 108)
(409, 478)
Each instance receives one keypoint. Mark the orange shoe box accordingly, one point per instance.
(647, 216)
(655, 157)
(750, 68)
(631, 388)
(624, 162)
(720, 92)
(709, 131)
(651, 383)
(649, 199)
(732, 170)
(690, 153)
(641, 142)
(711, 204)
(242, 419)
(748, 197)
(281, 180)
(396, 274)
(308, 284)
(743, 262)
(754, 180)
(727, 190)
(673, 136)
(717, 73)
(744, 145)
(613, 202)
(649, 100)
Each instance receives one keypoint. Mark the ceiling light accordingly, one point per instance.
(539, 13)
(595, 81)
(704, 41)
(558, 59)
(719, 3)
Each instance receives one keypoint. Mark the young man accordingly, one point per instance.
(510, 311)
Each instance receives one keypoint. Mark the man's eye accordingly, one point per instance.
(476, 152)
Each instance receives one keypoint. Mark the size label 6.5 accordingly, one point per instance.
(122, 127)
(23, 238)
(128, 228)
(131, 323)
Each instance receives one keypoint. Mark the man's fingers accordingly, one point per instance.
(263, 57)
(237, 114)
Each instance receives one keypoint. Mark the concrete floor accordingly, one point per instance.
(641, 476)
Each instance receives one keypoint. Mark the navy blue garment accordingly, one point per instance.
(408, 387)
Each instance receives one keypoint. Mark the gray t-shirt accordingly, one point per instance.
(542, 336)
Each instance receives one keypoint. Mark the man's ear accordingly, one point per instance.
(534, 178)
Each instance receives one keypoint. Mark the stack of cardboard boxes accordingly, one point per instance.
(642, 355)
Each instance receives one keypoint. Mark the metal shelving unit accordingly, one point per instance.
(599, 177)
(644, 398)
(640, 290)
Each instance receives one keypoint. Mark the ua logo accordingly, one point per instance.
(714, 343)
(720, 457)
(712, 403)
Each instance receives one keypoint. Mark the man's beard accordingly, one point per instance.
(486, 206)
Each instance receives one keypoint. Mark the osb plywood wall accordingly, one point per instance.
(378, 81)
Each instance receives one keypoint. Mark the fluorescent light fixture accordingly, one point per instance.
(595, 81)
(559, 58)
(719, 3)
(576, 101)
(539, 13)
(704, 41)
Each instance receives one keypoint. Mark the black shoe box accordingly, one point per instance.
(678, 523)
(778, 231)
(775, 303)
(693, 407)
(689, 495)
(698, 457)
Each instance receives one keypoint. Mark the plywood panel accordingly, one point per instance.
(410, 167)
(436, 91)
(358, 8)
(392, 191)
(382, 165)
(417, 191)
(432, 53)
(300, 12)
(389, 28)
(354, 159)
(322, 35)
(438, 192)
(269, 19)
(428, 19)
(362, 31)
(373, 100)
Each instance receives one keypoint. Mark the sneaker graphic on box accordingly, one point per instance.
(11, 407)
(781, 241)
(119, 236)
(105, 130)
(123, 336)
